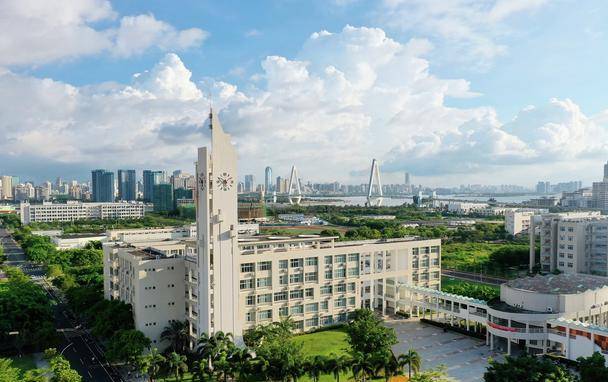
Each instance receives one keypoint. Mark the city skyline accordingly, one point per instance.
(503, 115)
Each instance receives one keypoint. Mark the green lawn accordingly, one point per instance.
(323, 343)
(447, 281)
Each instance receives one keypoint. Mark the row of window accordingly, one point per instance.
(301, 309)
(299, 294)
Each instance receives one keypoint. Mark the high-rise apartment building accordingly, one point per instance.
(102, 183)
(127, 185)
(268, 187)
(163, 197)
(152, 178)
(249, 183)
(75, 210)
(408, 179)
(7, 187)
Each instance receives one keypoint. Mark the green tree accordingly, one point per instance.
(364, 365)
(315, 366)
(337, 365)
(526, 368)
(8, 373)
(177, 365)
(127, 345)
(367, 334)
(150, 363)
(176, 333)
(413, 361)
(592, 368)
(60, 367)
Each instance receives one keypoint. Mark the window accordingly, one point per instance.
(326, 289)
(247, 267)
(561, 263)
(265, 314)
(327, 260)
(570, 229)
(309, 292)
(250, 300)
(435, 261)
(249, 316)
(264, 282)
(353, 257)
(570, 247)
(297, 309)
(280, 296)
(296, 278)
(298, 293)
(570, 265)
(324, 305)
(327, 320)
(265, 266)
(264, 298)
(340, 302)
(328, 275)
(310, 276)
(570, 256)
(351, 301)
(314, 307)
(435, 275)
(296, 263)
(282, 264)
(415, 263)
(353, 271)
(311, 261)
(435, 249)
(283, 280)
(283, 311)
(352, 287)
(312, 322)
(340, 288)
(338, 273)
(246, 284)
(298, 325)
(340, 259)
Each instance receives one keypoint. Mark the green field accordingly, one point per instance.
(323, 343)
(498, 259)
(469, 288)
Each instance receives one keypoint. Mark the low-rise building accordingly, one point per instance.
(564, 314)
(75, 210)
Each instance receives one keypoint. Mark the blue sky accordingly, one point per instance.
(502, 85)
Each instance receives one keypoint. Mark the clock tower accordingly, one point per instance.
(217, 239)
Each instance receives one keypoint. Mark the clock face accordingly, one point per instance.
(225, 181)
(202, 180)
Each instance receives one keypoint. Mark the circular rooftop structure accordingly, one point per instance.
(564, 283)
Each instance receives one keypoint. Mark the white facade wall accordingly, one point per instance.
(70, 211)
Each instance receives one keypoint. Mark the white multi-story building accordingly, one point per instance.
(518, 220)
(151, 279)
(233, 282)
(565, 242)
(74, 210)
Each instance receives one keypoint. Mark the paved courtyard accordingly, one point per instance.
(466, 358)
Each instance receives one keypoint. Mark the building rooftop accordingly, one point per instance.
(559, 284)
(150, 254)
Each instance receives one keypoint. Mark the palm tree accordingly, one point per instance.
(363, 365)
(336, 365)
(177, 335)
(389, 365)
(242, 363)
(315, 366)
(177, 364)
(150, 363)
(215, 350)
(412, 359)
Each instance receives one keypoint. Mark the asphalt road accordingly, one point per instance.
(469, 276)
(77, 345)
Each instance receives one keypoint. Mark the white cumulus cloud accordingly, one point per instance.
(38, 32)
